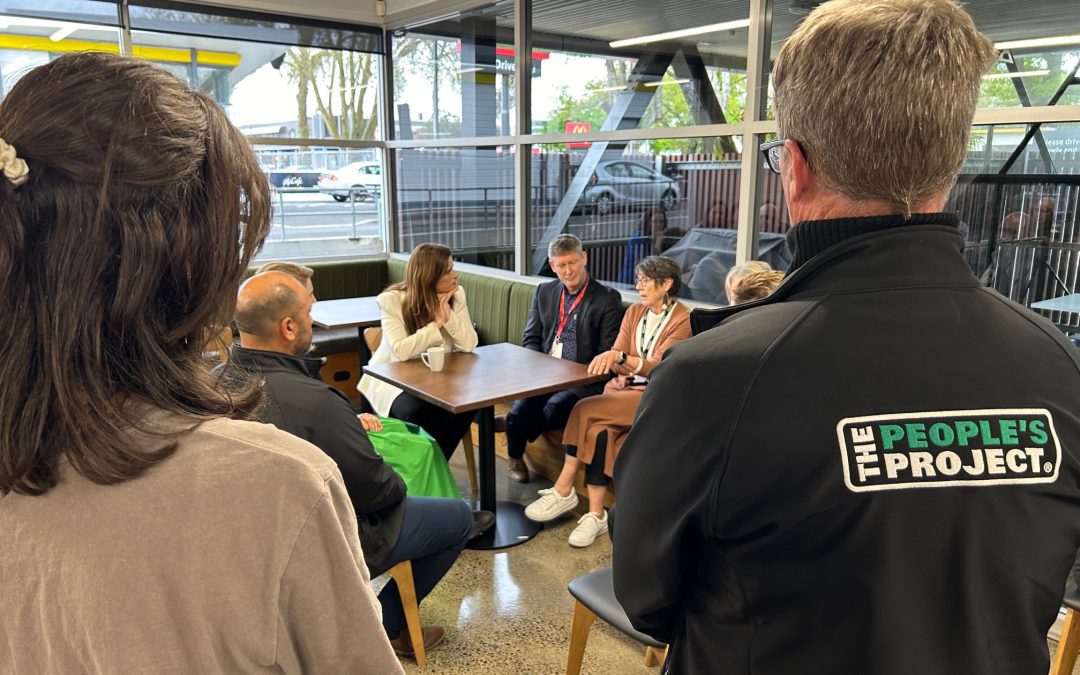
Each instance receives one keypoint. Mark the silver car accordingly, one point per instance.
(625, 183)
(360, 180)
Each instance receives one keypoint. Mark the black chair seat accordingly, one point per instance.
(1072, 599)
(335, 341)
(596, 591)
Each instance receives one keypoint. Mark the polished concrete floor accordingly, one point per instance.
(508, 611)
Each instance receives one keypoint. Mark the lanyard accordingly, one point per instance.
(645, 320)
(564, 315)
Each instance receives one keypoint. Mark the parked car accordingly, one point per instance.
(361, 180)
(293, 177)
(623, 183)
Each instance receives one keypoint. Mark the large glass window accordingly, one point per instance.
(460, 197)
(628, 200)
(1018, 198)
(1039, 45)
(455, 78)
(591, 73)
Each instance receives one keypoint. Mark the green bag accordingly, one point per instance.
(417, 458)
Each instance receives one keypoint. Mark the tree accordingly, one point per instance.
(344, 88)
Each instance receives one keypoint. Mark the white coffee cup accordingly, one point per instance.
(434, 358)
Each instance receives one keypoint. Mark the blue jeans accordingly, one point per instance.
(433, 532)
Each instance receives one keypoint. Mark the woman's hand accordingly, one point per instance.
(604, 362)
(370, 422)
(444, 311)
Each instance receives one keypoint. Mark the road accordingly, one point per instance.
(307, 216)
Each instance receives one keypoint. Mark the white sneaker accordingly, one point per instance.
(590, 526)
(551, 505)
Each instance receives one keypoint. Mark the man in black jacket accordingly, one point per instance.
(574, 318)
(273, 313)
(874, 470)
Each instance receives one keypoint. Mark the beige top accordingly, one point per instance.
(238, 554)
(398, 344)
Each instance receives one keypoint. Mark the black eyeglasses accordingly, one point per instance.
(771, 152)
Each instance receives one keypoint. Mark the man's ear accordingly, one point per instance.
(287, 328)
(799, 180)
(584, 257)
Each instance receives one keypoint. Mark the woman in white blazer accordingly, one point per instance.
(426, 310)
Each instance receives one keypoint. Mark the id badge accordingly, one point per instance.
(556, 348)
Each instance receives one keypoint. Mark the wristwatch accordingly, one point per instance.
(622, 358)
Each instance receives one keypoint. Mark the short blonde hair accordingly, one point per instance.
(755, 286)
(297, 271)
(880, 95)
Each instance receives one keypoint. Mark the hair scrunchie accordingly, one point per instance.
(15, 169)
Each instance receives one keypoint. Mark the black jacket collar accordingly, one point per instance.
(267, 361)
(890, 252)
(811, 237)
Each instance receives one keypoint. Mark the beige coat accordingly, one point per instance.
(237, 554)
(614, 410)
(398, 344)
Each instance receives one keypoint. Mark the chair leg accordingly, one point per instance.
(403, 576)
(470, 462)
(579, 635)
(1067, 649)
(654, 656)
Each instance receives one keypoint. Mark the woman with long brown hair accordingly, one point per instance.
(133, 496)
(426, 310)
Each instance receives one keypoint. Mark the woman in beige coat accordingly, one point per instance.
(599, 424)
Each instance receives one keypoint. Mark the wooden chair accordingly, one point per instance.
(373, 338)
(594, 595)
(402, 575)
(1069, 645)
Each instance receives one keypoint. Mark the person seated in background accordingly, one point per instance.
(571, 318)
(146, 527)
(716, 216)
(406, 447)
(646, 240)
(751, 280)
(598, 425)
(273, 314)
(426, 310)
(768, 217)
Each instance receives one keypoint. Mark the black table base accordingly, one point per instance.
(511, 528)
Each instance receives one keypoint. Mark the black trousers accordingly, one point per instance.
(444, 426)
(530, 417)
(594, 470)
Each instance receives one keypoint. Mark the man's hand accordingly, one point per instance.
(370, 422)
(604, 362)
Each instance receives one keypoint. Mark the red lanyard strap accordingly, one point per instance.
(564, 315)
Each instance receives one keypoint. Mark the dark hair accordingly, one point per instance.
(660, 269)
(119, 259)
(426, 264)
(647, 228)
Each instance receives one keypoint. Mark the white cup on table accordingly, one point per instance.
(434, 358)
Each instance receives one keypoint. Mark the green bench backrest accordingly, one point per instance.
(349, 278)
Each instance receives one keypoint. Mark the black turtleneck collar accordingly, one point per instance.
(811, 237)
(263, 360)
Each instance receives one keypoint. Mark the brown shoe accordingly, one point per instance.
(518, 471)
(433, 637)
(500, 424)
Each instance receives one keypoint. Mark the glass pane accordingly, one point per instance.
(87, 11)
(672, 197)
(327, 202)
(455, 79)
(460, 197)
(27, 43)
(581, 82)
(772, 222)
(273, 89)
(1039, 39)
(171, 17)
(1018, 197)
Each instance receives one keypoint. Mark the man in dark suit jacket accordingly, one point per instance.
(572, 318)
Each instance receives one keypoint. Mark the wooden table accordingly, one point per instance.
(477, 381)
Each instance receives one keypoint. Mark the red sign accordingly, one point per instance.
(578, 128)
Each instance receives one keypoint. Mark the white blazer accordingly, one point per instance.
(398, 344)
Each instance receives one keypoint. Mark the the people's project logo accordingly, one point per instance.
(949, 448)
